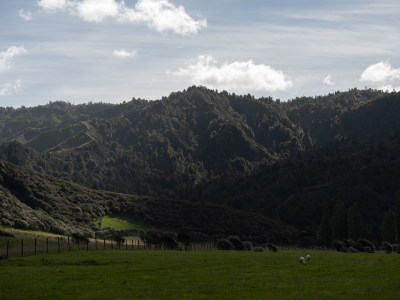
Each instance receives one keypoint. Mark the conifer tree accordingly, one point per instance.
(325, 229)
(389, 227)
(397, 216)
(339, 221)
(354, 223)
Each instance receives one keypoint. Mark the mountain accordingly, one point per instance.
(162, 147)
(30, 200)
(143, 147)
(283, 160)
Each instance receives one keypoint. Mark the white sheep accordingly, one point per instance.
(302, 260)
(308, 257)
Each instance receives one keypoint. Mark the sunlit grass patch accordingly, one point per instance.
(119, 222)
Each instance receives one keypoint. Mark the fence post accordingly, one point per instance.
(58, 242)
(69, 246)
(8, 245)
(78, 245)
(87, 245)
(35, 245)
(104, 245)
(95, 242)
(132, 244)
(47, 245)
(126, 245)
(22, 247)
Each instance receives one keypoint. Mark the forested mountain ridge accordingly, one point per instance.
(364, 114)
(162, 147)
(358, 174)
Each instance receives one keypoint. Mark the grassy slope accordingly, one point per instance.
(119, 222)
(200, 275)
(30, 200)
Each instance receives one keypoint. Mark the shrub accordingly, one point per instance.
(349, 243)
(185, 239)
(388, 247)
(258, 249)
(368, 250)
(353, 250)
(78, 238)
(169, 242)
(119, 239)
(271, 247)
(248, 245)
(396, 248)
(236, 242)
(364, 243)
(339, 246)
(224, 244)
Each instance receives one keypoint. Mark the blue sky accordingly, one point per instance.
(113, 50)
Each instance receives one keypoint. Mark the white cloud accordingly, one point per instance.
(380, 72)
(161, 15)
(237, 76)
(10, 88)
(328, 81)
(6, 57)
(53, 5)
(27, 16)
(97, 10)
(123, 53)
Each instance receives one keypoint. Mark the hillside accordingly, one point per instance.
(362, 174)
(162, 147)
(31, 200)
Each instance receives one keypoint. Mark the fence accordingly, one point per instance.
(29, 246)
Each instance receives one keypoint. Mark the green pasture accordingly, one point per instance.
(119, 222)
(200, 275)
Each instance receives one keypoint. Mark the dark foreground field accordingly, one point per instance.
(200, 275)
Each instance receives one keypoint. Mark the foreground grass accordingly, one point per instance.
(200, 275)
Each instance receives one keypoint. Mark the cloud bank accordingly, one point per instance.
(10, 88)
(124, 54)
(383, 74)
(380, 72)
(53, 5)
(237, 76)
(160, 15)
(6, 57)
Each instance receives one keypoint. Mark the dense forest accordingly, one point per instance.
(30, 200)
(283, 160)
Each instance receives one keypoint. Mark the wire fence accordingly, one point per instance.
(28, 246)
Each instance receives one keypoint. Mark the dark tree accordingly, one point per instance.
(119, 239)
(325, 229)
(185, 239)
(339, 221)
(224, 244)
(354, 222)
(389, 227)
(397, 217)
(236, 242)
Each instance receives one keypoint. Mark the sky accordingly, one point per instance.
(112, 50)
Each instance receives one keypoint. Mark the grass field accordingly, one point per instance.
(119, 222)
(200, 275)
